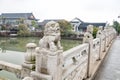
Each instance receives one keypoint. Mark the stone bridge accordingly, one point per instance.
(49, 62)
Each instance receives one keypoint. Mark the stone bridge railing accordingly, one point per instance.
(49, 62)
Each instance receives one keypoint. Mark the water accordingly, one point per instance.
(16, 58)
(18, 44)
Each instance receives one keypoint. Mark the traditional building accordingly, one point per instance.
(42, 24)
(81, 26)
(13, 19)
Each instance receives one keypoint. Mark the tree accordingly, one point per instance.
(65, 27)
(34, 24)
(21, 21)
(116, 25)
(23, 30)
(95, 29)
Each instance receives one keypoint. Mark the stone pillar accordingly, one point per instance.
(107, 36)
(88, 38)
(105, 33)
(49, 54)
(29, 64)
(100, 35)
(48, 63)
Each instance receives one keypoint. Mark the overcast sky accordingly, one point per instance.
(86, 10)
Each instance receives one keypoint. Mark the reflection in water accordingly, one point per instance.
(3, 46)
(19, 43)
(16, 44)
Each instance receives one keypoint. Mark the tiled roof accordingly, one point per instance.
(47, 20)
(85, 24)
(18, 15)
(78, 20)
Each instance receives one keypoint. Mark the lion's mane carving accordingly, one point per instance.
(100, 32)
(51, 38)
(88, 34)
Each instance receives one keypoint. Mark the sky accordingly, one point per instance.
(86, 10)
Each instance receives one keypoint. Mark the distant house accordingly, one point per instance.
(42, 24)
(13, 19)
(81, 26)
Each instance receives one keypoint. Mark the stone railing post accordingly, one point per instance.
(88, 38)
(49, 55)
(106, 40)
(100, 35)
(48, 65)
(29, 64)
(109, 35)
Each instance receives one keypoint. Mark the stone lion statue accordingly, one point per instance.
(51, 38)
(99, 32)
(88, 34)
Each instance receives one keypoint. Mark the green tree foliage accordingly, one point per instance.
(23, 30)
(34, 24)
(21, 21)
(95, 29)
(116, 25)
(65, 27)
(3, 27)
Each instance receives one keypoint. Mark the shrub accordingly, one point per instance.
(23, 30)
(95, 29)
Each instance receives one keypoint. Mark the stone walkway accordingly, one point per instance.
(110, 69)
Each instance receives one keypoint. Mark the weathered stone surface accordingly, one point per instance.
(30, 54)
(28, 78)
(48, 54)
(88, 38)
(88, 35)
(51, 38)
(16, 69)
(75, 62)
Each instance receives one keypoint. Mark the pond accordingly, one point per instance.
(18, 44)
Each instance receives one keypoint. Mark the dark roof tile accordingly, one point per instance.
(18, 15)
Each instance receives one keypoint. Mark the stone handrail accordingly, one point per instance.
(11, 68)
(75, 59)
(49, 62)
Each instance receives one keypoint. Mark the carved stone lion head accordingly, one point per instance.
(52, 28)
(90, 28)
(100, 27)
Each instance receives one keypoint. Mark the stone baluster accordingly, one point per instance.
(105, 33)
(100, 35)
(114, 33)
(29, 64)
(109, 34)
(49, 54)
(88, 38)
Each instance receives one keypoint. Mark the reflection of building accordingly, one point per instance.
(80, 26)
(13, 19)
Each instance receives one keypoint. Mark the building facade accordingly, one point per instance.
(81, 26)
(14, 19)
